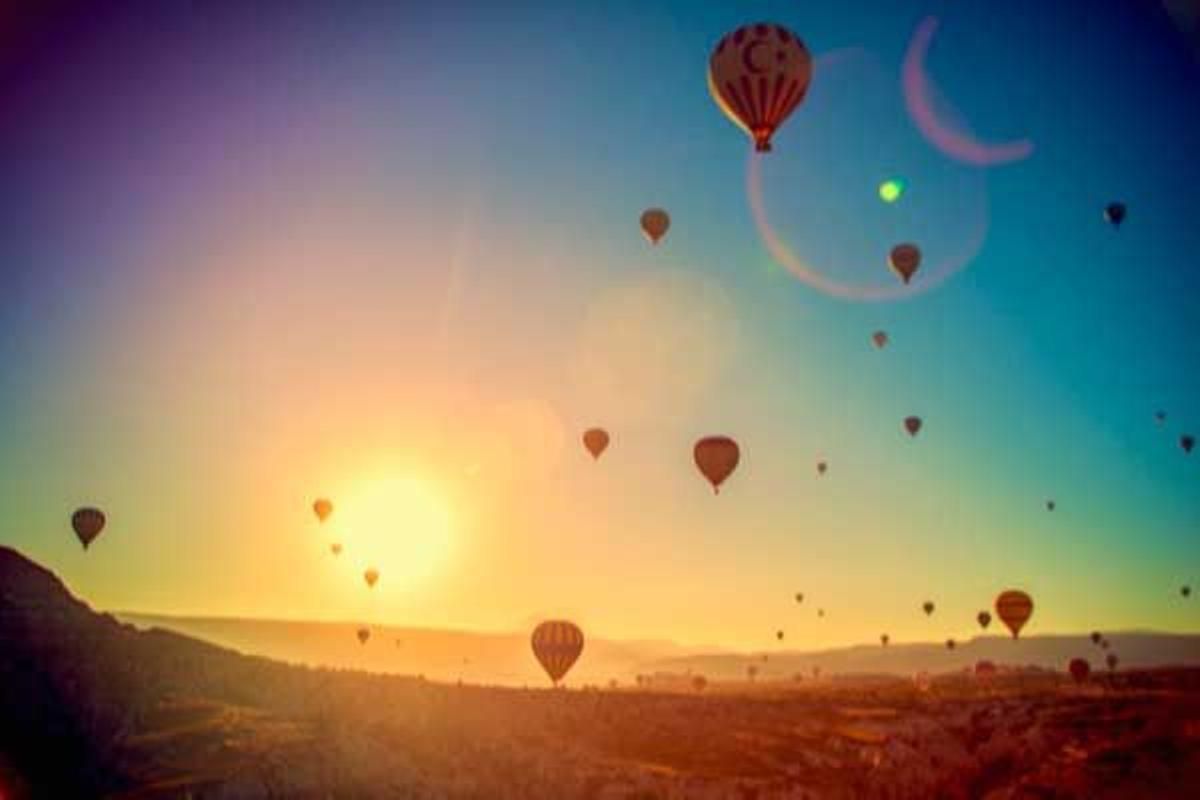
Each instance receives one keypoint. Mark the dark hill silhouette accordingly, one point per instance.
(91, 707)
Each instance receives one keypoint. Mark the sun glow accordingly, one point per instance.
(399, 525)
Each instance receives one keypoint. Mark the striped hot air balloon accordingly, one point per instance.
(757, 75)
(557, 645)
(1014, 608)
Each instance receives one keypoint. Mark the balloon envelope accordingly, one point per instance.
(912, 425)
(1114, 214)
(821, 467)
(757, 75)
(1095, 637)
(371, 576)
(880, 339)
(363, 635)
(1079, 669)
(1014, 608)
(322, 508)
(779, 635)
(596, 441)
(884, 639)
(1187, 442)
(655, 222)
(335, 548)
(716, 457)
(557, 645)
(1112, 660)
(904, 260)
(928, 607)
(1051, 505)
(984, 619)
(799, 597)
(87, 523)
(1185, 590)
(950, 644)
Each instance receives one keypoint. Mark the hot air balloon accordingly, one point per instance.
(596, 441)
(1051, 505)
(821, 612)
(912, 425)
(1160, 417)
(752, 671)
(821, 467)
(880, 339)
(757, 75)
(322, 508)
(1014, 608)
(984, 619)
(884, 639)
(799, 597)
(335, 548)
(927, 606)
(1187, 442)
(1112, 661)
(363, 635)
(655, 222)
(557, 645)
(1186, 591)
(1114, 214)
(717, 457)
(87, 523)
(779, 635)
(1096, 637)
(1079, 669)
(904, 260)
(1104, 644)
(699, 682)
(950, 644)
(371, 576)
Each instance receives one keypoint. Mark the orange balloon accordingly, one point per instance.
(757, 75)
(717, 457)
(904, 260)
(371, 576)
(1079, 669)
(655, 222)
(557, 645)
(363, 635)
(1014, 608)
(596, 441)
(336, 548)
(322, 508)
(87, 524)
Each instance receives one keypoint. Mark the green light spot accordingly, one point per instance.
(891, 189)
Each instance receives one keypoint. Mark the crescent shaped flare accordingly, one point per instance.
(918, 98)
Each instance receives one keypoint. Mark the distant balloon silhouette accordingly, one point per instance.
(557, 645)
(335, 548)
(820, 612)
(1079, 669)
(1096, 637)
(799, 597)
(757, 75)
(1014, 608)
(699, 682)
(322, 508)
(1114, 214)
(1104, 644)
(950, 644)
(1185, 590)
(363, 635)
(880, 339)
(716, 457)
(779, 635)
(1160, 417)
(371, 576)
(884, 639)
(1051, 505)
(1112, 661)
(596, 441)
(984, 619)
(912, 425)
(655, 223)
(1187, 442)
(905, 259)
(927, 606)
(821, 467)
(87, 523)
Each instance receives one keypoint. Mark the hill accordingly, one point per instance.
(92, 707)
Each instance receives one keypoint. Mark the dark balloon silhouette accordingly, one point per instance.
(1186, 591)
(1160, 417)
(371, 576)
(1187, 442)
(363, 635)
(716, 457)
(822, 466)
(335, 548)
(596, 441)
(1051, 505)
(1079, 669)
(1114, 214)
(1112, 661)
(322, 508)
(779, 635)
(984, 619)
(904, 260)
(1096, 637)
(950, 644)
(87, 523)
(799, 597)
(757, 75)
(912, 425)
(880, 339)
(1014, 608)
(557, 645)
(884, 639)
(927, 606)
(655, 222)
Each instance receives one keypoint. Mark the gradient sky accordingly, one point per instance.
(258, 253)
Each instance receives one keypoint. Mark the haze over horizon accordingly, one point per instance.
(390, 255)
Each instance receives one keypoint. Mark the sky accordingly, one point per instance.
(388, 253)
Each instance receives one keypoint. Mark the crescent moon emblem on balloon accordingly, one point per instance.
(748, 57)
(919, 92)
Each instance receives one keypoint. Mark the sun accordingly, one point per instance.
(399, 525)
